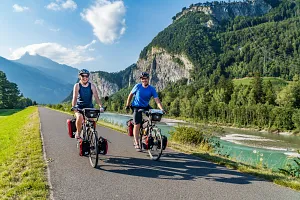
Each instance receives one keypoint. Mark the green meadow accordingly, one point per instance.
(22, 167)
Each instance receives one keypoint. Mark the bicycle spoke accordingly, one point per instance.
(155, 144)
(93, 156)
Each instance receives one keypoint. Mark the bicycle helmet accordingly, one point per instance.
(144, 75)
(84, 71)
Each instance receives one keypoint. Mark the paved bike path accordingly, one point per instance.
(127, 174)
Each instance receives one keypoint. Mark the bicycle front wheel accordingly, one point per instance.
(94, 154)
(155, 144)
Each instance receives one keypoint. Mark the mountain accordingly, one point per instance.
(64, 73)
(34, 83)
(237, 45)
(109, 83)
(212, 39)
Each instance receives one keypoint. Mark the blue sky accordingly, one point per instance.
(94, 34)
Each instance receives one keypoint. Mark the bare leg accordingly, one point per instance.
(79, 119)
(136, 130)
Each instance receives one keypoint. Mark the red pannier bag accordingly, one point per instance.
(71, 127)
(130, 127)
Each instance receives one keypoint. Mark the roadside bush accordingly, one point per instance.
(190, 135)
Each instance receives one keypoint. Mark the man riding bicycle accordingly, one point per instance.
(142, 93)
(83, 93)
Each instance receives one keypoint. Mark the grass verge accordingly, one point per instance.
(22, 167)
(8, 112)
(267, 174)
(258, 171)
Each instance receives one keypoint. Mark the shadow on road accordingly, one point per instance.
(174, 166)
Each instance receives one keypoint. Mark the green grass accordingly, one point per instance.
(7, 112)
(258, 171)
(203, 152)
(22, 167)
(276, 82)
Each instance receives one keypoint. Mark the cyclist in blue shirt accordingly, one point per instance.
(142, 93)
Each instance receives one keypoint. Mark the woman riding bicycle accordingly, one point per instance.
(83, 93)
(142, 93)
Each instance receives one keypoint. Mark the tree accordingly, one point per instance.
(270, 93)
(257, 87)
(175, 108)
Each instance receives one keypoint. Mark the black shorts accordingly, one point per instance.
(138, 116)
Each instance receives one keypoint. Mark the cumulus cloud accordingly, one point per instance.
(62, 5)
(86, 46)
(107, 19)
(56, 52)
(18, 8)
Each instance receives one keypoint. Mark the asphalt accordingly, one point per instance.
(126, 174)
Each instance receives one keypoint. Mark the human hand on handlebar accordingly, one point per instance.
(102, 109)
(127, 108)
(74, 108)
(164, 111)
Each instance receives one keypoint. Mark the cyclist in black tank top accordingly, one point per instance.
(83, 93)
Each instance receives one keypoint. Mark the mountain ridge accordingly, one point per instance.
(35, 83)
(62, 72)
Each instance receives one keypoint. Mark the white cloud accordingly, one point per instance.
(53, 6)
(62, 5)
(18, 8)
(54, 29)
(91, 49)
(56, 52)
(39, 22)
(107, 19)
(86, 46)
(69, 4)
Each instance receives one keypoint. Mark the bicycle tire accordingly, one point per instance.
(156, 134)
(94, 154)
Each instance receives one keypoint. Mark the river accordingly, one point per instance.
(250, 147)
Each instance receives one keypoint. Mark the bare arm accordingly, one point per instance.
(95, 93)
(158, 103)
(129, 99)
(75, 94)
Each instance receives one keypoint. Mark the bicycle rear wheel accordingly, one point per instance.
(94, 154)
(155, 144)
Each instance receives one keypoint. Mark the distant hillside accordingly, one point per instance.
(34, 83)
(109, 83)
(64, 73)
(238, 46)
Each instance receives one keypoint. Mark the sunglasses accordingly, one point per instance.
(144, 78)
(86, 76)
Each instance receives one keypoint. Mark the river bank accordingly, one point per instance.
(172, 121)
(237, 159)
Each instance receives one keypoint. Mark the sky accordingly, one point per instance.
(106, 35)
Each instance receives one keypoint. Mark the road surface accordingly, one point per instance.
(126, 174)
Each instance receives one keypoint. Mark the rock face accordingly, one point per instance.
(103, 86)
(223, 11)
(163, 67)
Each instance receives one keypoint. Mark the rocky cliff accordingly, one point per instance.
(163, 67)
(172, 54)
(104, 87)
(224, 11)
